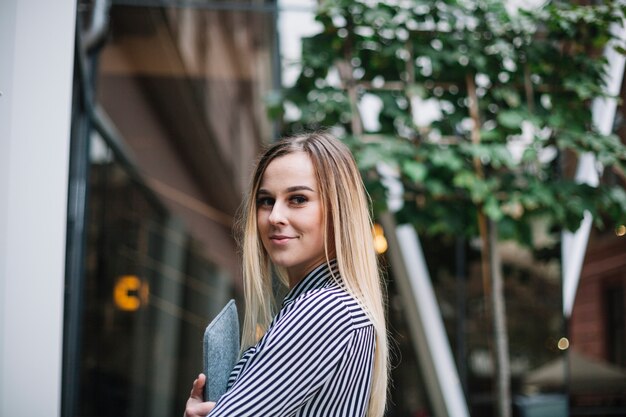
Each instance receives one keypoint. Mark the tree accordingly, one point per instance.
(508, 93)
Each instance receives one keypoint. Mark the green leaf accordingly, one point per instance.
(367, 158)
(511, 119)
(492, 209)
(414, 170)
(465, 179)
(446, 158)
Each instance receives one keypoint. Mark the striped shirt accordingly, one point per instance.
(315, 359)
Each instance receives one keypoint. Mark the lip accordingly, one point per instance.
(280, 239)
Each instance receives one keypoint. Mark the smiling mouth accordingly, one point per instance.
(280, 239)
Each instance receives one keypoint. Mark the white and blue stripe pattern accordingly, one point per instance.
(315, 359)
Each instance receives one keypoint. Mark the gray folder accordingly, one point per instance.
(221, 351)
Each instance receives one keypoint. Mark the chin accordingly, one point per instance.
(283, 261)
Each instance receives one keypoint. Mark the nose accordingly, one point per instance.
(278, 214)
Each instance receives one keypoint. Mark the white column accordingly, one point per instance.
(36, 64)
(424, 320)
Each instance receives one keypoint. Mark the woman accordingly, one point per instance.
(325, 352)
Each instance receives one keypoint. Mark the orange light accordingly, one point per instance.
(130, 293)
(563, 343)
(620, 230)
(380, 242)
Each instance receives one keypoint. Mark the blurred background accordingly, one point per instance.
(128, 131)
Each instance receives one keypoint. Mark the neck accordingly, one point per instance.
(296, 274)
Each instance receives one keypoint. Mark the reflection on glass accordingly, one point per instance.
(184, 93)
(149, 295)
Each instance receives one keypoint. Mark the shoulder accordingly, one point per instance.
(333, 304)
(321, 322)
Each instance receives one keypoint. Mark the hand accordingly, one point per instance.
(195, 406)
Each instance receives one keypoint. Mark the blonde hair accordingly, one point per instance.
(347, 222)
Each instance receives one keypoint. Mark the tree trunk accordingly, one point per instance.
(501, 341)
(492, 278)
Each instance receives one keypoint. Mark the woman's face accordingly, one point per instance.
(289, 215)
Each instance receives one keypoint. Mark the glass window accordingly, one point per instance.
(180, 95)
(616, 324)
(149, 293)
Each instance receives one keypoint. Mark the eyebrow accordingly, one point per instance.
(289, 189)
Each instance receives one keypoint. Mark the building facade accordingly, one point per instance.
(129, 132)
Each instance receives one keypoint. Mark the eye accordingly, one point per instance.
(298, 199)
(264, 202)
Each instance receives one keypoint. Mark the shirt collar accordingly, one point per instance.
(317, 278)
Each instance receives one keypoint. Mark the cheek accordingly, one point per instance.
(316, 224)
(261, 227)
(261, 220)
